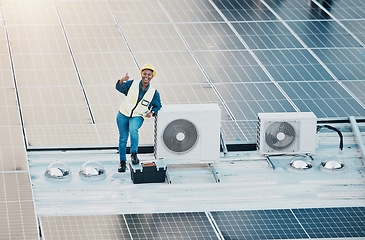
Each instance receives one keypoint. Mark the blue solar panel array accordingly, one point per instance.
(306, 223)
(248, 56)
(346, 222)
(277, 56)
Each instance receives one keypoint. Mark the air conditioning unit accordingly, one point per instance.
(286, 133)
(188, 133)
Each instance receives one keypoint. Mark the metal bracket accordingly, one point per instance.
(270, 162)
(223, 143)
(215, 174)
(168, 177)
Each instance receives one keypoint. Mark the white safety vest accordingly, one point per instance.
(130, 107)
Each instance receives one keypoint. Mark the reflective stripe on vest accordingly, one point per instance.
(130, 107)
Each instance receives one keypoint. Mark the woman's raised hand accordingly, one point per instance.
(124, 79)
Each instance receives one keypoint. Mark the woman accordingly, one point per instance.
(141, 101)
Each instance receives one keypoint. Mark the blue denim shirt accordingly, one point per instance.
(156, 100)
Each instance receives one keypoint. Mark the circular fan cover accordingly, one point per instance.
(280, 135)
(180, 135)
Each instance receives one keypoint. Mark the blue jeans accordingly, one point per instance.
(128, 126)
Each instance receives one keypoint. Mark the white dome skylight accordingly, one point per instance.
(301, 162)
(333, 162)
(58, 170)
(92, 169)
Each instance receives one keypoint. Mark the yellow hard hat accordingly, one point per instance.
(150, 67)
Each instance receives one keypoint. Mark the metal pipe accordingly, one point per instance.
(358, 137)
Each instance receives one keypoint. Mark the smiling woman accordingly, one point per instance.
(141, 101)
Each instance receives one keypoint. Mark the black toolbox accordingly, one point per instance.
(148, 172)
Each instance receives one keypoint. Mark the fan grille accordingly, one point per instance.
(180, 136)
(280, 135)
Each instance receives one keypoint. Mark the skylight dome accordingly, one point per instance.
(92, 169)
(333, 162)
(301, 162)
(58, 170)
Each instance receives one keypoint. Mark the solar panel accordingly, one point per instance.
(357, 87)
(259, 224)
(326, 99)
(8, 107)
(84, 227)
(191, 11)
(342, 222)
(357, 28)
(13, 158)
(297, 10)
(40, 136)
(6, 78)
(152, 37)
(266, 35)
(231, 67)
(37, 39)
(209, 36)
(343, 9)
(204, 47)
(346, 64)
(244, 10)
(141, 11)
(17, 215)
(84, 12)
(95, 38)
(323, 34)
(30, 13)
(189, 225)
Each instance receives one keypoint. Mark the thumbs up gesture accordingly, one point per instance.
(124, 79)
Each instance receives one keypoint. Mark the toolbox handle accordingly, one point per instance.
(151, 164)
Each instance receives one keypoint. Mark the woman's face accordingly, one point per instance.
(147, 75)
